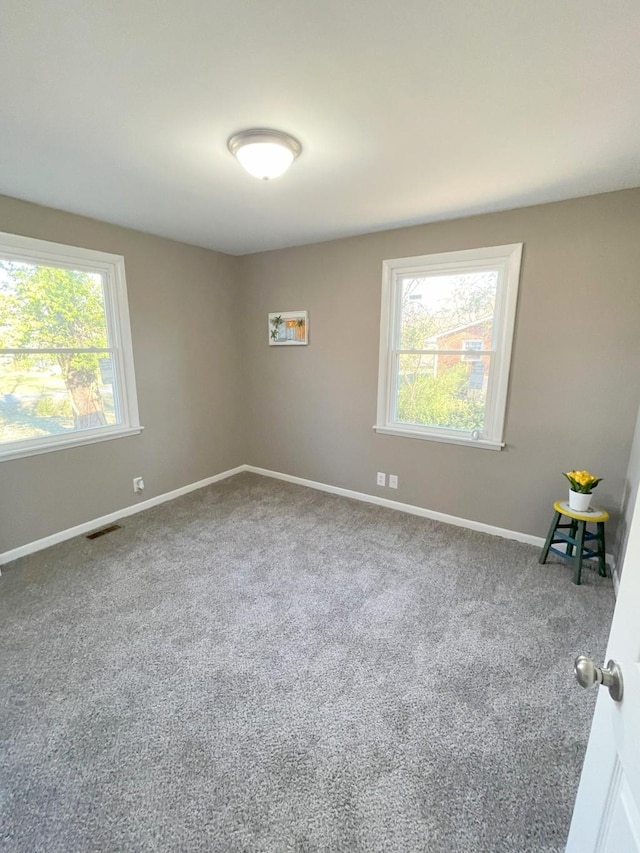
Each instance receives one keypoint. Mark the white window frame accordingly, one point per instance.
(506, 260)
(111, 268)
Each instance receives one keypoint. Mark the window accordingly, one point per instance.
(445, 345)
(66, 361)
(471, 346)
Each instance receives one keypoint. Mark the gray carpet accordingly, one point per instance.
(261, 667)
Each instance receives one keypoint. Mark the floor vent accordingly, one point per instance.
(104, 531)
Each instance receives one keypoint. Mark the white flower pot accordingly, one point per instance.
(578, 501)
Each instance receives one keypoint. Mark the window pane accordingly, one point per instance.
(44, 307)
(446, 391)
(43, 395)
(440, 312)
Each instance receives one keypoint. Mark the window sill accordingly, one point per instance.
(73, 440)
(480, 443)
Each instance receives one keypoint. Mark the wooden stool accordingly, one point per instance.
(577, 536)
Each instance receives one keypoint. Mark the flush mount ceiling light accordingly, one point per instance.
(264, 153)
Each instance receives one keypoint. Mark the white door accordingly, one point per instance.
(606, 818)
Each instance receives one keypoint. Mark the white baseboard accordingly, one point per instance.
(79, 529)
(528, 538)
(614, 578)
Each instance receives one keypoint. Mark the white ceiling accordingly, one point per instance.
(408, 112)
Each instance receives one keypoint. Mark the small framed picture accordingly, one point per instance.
(289, 329)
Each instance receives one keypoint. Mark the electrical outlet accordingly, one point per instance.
(382, 479)
(138, 484)
(393, 481)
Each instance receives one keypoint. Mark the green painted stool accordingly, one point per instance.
(576, 537)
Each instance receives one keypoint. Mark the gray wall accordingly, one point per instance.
(574, 388)
(630, 494)
(211, 398)
(183, 304)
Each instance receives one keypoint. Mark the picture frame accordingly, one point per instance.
(288, 328)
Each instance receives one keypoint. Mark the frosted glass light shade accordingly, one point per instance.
(265, 154)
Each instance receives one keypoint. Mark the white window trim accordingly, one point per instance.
(111, 267)
(507, 260)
